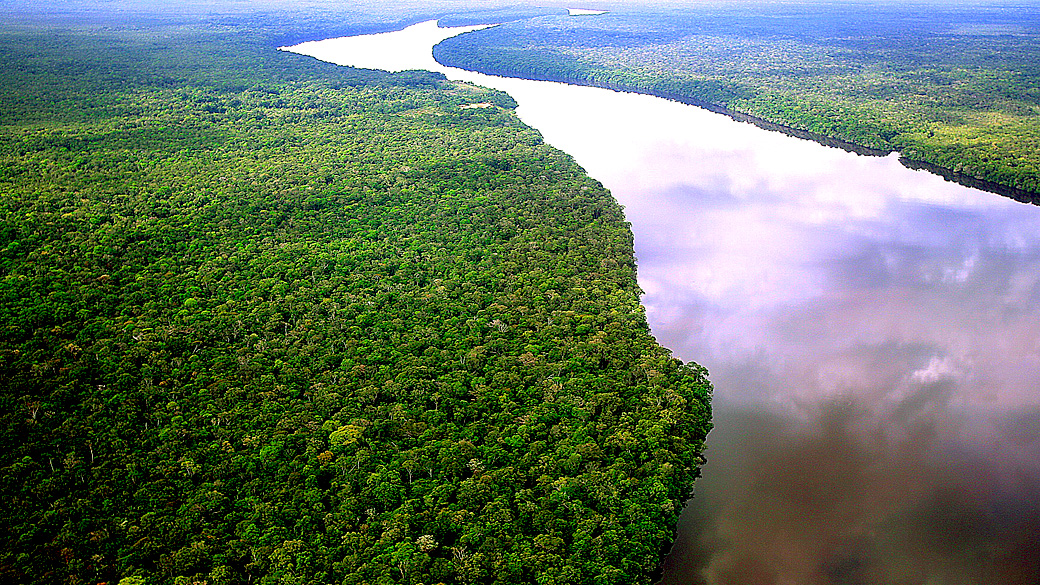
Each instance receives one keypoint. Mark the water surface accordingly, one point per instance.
(873, 334)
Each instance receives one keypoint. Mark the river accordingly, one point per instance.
(872, 332)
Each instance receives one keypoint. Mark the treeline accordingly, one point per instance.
(268, 320)
(952, 87)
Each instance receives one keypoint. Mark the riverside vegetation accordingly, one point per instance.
(952, 87)
(268, 320)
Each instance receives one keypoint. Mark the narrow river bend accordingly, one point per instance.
(872, 332)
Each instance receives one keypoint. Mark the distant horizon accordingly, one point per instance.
(237, 6)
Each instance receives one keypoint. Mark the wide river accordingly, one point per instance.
(872, 332)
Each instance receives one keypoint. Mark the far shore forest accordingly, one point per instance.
(956, 88)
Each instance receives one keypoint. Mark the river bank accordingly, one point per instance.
(870, 329)
(951, 175)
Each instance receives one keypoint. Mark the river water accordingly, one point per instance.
(872, 332)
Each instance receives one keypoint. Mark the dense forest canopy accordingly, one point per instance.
(264, 319)
(952, 86)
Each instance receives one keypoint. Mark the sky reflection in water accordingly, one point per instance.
(873, 334)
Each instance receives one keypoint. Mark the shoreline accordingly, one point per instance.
(1020, 195)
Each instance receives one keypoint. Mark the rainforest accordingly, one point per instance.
(266, 319)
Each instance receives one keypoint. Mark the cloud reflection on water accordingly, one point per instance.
(873, 334)
(874, 347)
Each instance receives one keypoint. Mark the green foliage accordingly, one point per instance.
(267, 320)
(954, 87)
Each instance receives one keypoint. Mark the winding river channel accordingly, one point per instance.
(872, 332)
